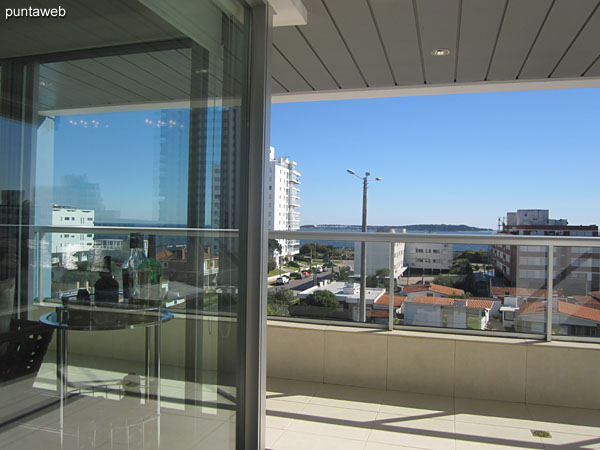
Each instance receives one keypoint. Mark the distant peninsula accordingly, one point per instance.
(419, 227)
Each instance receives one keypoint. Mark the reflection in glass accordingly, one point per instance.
(121, 148)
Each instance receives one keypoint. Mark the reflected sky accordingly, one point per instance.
(119, 155)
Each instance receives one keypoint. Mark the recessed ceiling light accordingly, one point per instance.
(440, 52)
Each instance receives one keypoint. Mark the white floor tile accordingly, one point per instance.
(571, 441)
(475, 436)
(348, 397)
(487, 412)
(410, 404)
(566, 420)
(332, 421)
(292, 440)
(412, 432)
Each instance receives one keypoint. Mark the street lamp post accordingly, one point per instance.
(363, 246)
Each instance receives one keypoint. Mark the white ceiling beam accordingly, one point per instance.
(438, 89)
(289, 13)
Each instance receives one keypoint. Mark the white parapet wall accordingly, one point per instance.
(481, 367)
(492, 368)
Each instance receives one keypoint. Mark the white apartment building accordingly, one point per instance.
(72, 242)
(283, 201)
(425, 256)
(378, 257)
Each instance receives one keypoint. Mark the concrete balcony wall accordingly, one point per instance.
(480, 367)
(490, 368)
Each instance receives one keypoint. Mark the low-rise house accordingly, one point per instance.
(429, 290)
(348, 294)
(447, 312)
(501, 291)
(380, 311)
(571, 319)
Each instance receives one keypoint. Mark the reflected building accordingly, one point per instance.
(76, 191)
(173, 166)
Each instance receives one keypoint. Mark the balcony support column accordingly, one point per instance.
(391, 308)
(253, 238)
(549, 289)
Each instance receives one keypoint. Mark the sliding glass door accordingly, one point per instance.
(123, 223)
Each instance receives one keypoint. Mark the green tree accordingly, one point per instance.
(278, 302)
(343, 274)
(274, 246)
(307, 249)
(461, 266)
(382, 273)
(324, 299)
(472, 256)
(372, 281)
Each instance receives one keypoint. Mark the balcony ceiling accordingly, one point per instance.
(348, 49)
(382, 45)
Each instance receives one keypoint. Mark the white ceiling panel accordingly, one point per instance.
(277, 88)
(324, 38)
(65, 91)
(479, 26)
(290, 42)
(179, 60)
(583, 52)
(175, 84)
(104, 68)
(522, 22)
(129, 66)
(69, 71)
(286, 75)
(358, 30)
(564, 22)
(396, 22)
(594, 70)
(438, 28)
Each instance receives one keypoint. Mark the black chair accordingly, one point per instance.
(22, 349)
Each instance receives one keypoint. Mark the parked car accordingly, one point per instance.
(319, 269)
(282, 280)
(306, 274)
(296, 276)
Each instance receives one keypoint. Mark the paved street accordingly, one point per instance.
(305, 283)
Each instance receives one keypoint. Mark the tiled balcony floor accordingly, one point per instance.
(315, 416)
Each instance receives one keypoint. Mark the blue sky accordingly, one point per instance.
(465, 158)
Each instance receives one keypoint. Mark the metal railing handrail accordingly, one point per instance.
(119, 230)
(501, 239)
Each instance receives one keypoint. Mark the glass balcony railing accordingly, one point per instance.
(477, 284)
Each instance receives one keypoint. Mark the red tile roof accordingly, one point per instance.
(384, 300)
(570, 309)
(532, 308)
(438, 288)
(579, 311)
(587, 300)
(447, 301)
(501, 291)
(480, 303)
